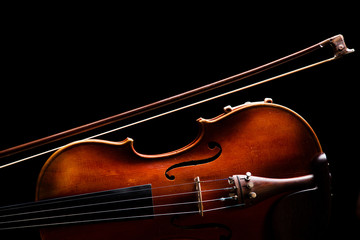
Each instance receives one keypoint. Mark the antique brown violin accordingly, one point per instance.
(245, 175)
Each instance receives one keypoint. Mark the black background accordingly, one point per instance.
(64, 69)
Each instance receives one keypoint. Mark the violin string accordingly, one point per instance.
(178, 109)
(115, 210)
(222, 199)
(108, 202)
(120, 218)
(59, 200)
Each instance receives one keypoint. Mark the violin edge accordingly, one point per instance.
(266, 139)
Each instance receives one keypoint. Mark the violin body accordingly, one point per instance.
(263, 138)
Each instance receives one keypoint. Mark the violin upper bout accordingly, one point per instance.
(80, 166)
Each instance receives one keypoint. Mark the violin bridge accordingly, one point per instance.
(199, 196)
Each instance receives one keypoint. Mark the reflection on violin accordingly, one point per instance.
(239, 178)
(95, 189)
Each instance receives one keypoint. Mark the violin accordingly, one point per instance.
(240, 177)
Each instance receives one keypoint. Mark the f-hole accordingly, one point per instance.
(212, 146)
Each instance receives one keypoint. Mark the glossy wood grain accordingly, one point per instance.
(264, 138)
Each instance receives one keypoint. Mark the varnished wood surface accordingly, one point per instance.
(58, 75)
(265, 139)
